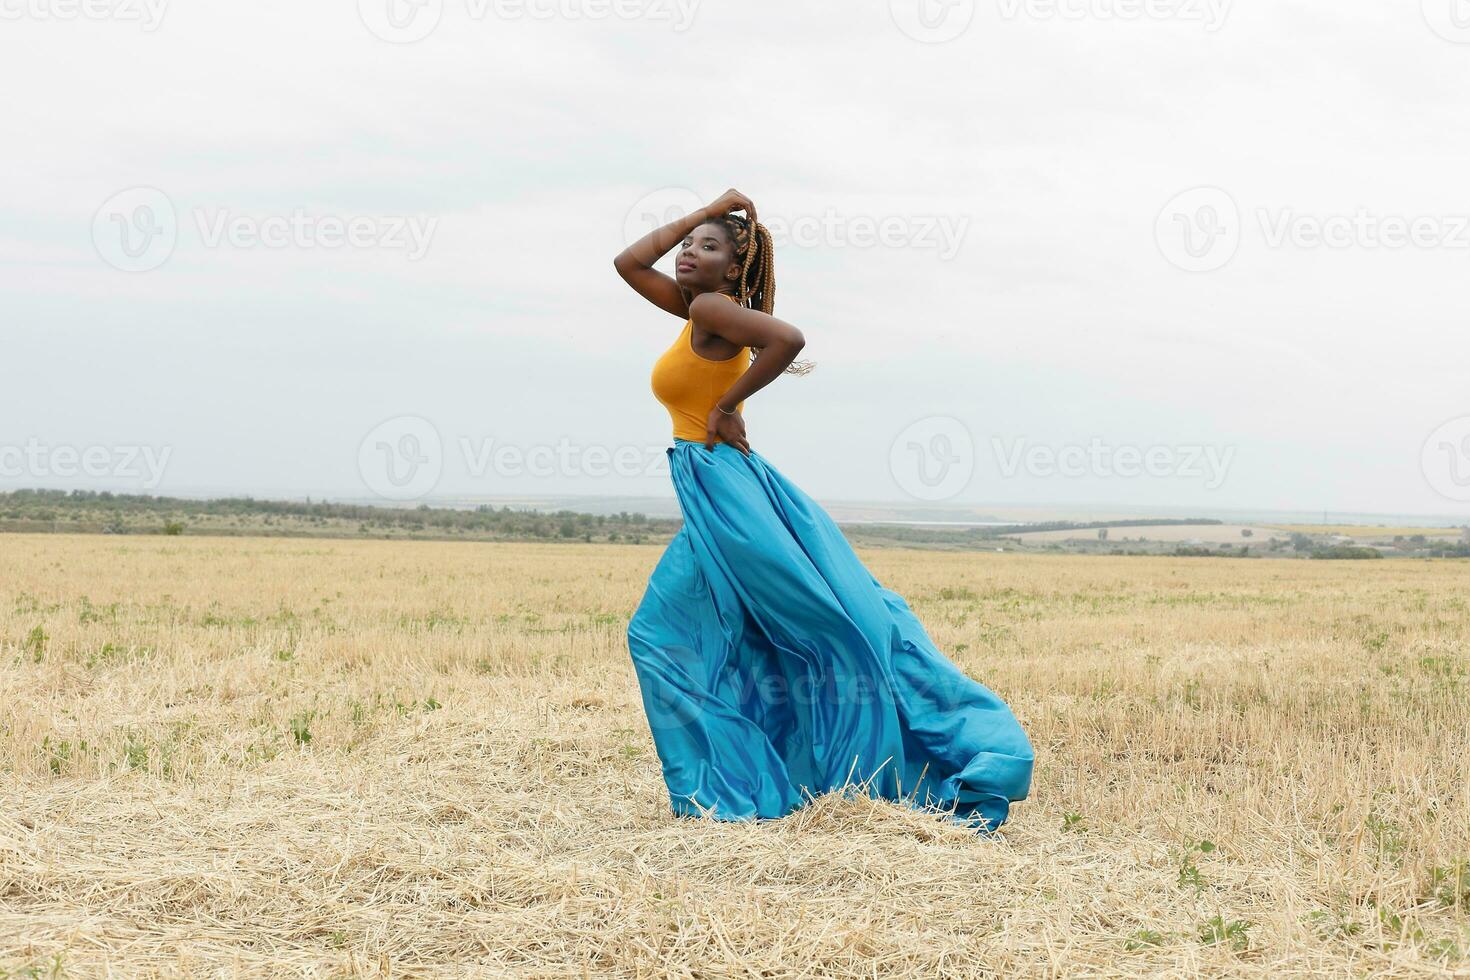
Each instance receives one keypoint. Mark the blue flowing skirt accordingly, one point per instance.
(774, 667)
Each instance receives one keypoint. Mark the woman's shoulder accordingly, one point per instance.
(705, 302)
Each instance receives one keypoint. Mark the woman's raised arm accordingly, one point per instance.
(635, 263)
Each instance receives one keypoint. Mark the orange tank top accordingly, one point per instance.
(688, 385)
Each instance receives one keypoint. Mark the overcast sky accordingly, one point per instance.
(1178, 252)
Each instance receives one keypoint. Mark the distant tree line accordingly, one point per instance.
(144, 513)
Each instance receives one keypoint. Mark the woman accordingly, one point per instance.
(773, 666)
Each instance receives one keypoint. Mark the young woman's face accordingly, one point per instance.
(705, 258)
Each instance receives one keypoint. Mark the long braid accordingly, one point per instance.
(756, 287)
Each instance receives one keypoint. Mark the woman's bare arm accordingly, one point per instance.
(635, 263)
(748, 328)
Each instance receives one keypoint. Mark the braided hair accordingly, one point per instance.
(756, 286)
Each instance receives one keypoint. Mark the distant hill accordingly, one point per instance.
(102, 512)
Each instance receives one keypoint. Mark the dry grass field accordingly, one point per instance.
(281, 757)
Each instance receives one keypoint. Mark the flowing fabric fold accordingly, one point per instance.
(774, 666)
